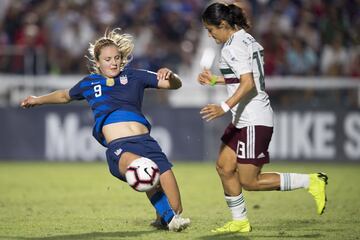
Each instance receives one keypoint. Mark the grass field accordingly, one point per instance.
(69, 201)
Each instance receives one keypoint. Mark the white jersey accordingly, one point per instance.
(243, 54)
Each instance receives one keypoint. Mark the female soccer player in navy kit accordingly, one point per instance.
(245, 142)
(115, 95)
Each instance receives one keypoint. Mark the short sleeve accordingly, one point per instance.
(148, 78)
(238, 58)
(76, 92)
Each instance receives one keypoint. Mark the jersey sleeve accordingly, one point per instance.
(238, 58)
(76, 92)
(148, 78)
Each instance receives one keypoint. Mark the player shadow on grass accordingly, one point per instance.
(83, 236)
(248, 236)
(225, 236)
(293, 229)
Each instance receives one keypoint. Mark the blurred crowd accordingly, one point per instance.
(309, 37)
(55, 35)
(300, 37)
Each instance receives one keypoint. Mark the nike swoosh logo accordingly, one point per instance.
(145, 170)
(93, 83)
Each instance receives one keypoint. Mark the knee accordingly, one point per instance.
(225, 171)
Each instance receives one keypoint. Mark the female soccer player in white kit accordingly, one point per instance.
(245, 142)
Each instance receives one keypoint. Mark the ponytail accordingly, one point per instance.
(238, 17)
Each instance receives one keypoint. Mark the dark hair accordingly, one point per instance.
(232, 14)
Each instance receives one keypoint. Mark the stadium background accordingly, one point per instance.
(312, 77)
(312, 59)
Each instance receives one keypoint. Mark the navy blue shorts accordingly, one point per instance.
(142, 145)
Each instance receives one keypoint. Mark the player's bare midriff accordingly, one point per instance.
(123, 129)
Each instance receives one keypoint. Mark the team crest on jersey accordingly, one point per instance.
(110, 82)
(123, 80)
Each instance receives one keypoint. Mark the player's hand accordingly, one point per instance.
(30, 101)
(211, 111)
(164, 74)
(204, 77)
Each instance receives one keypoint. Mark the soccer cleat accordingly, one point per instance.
(233, 226)
(178, 223)
(317, 189)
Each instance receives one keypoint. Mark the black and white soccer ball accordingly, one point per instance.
(142, 174)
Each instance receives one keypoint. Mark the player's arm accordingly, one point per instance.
(207, 78)
(167, 79)
(212, 111)
(56, 97)
(246, 85)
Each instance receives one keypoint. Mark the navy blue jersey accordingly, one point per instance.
(105, 95)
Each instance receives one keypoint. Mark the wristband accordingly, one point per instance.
(213, 80)
(224, 106)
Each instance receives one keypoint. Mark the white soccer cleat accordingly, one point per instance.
(178, 223)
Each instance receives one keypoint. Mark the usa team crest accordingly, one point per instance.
(110, 82)
(123, 80)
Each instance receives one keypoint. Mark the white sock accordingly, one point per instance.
(237, 206)
(292, 181)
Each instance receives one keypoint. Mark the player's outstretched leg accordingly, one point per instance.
(176, 224)
(317, 188)
(169, 219)
(167, 202)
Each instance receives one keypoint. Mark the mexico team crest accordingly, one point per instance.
(123, 80)
(110, 82)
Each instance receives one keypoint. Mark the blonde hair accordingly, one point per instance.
(123, 42)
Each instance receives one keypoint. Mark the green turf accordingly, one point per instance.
(83, 201)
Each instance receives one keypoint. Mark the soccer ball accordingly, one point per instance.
(142, 174)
